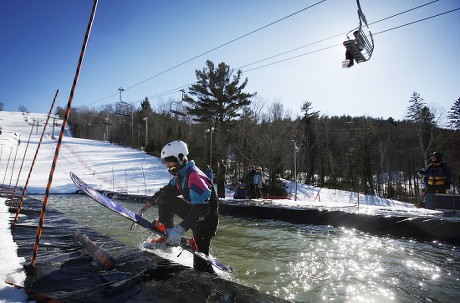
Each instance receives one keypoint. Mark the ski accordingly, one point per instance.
(130, 215)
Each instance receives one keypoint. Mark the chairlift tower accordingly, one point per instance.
(125, 109)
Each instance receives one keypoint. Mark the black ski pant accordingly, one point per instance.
(203, 230)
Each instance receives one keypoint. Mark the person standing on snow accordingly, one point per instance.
(220, 178)
(251, 182)
(189, 195)
(208, 172)
(257, 182)
(436, 178)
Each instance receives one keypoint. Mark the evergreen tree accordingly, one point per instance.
(145, 106)
(217, 98)
(310, 139)
(424, 123)
(454, 115)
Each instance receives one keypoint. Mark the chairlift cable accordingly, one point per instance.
(318, 50)
(218, 47)
(419, 20)
(332, 46)
(168, 92)
(403, 12)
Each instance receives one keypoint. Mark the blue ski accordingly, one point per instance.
(112, 205)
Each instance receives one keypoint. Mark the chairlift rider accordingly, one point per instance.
(359, 48)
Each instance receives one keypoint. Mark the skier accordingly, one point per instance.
(189, 195)
(436, 178)
(358, 43)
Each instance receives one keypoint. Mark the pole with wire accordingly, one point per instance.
(12, 168)
(61, 135)
(24, 190)
(6, 170)
(20, 169)
(454, 178)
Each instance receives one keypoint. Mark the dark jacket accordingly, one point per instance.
(437, 177)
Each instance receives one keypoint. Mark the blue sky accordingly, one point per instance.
(138, 44)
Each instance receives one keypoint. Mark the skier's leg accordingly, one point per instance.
(168, 206)
(203, 232)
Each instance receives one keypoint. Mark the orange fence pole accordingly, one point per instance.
(12, 169)
(20, 169)
(6, 170)
(24, 190)
(61, 135)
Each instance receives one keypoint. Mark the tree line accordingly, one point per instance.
(219, 120)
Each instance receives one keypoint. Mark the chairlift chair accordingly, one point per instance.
(123, 109)
(362, 45)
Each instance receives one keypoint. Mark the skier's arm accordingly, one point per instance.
(150, 203)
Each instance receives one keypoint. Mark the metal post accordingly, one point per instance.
(146, 132)
(210, 130)
(295, 169)
(54, 123)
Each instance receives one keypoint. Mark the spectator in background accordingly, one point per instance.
(250, 182)
(208, 173)
(220, 178)
(436, 178)
(241, 191)
(258, 182)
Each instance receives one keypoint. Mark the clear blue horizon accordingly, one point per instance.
(152, 50)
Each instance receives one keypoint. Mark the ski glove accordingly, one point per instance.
(140, 212)
(174, 235)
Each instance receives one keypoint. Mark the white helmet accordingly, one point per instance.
(177, 149)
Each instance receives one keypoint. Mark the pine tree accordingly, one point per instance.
(145, 106)
(310, 139)
(424, 124)
(454, 115)
(217, 98)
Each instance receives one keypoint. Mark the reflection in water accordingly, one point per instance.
(305, 263)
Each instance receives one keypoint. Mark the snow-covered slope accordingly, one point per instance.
(101, 164)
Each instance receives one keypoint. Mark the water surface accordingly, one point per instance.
(304, 263)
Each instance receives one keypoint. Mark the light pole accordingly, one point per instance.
(146, 133)
(296, 149)
(210, 130)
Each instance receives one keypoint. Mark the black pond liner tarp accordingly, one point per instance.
(65, 271)
(417, 228)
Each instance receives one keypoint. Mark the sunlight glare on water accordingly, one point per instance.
(304, 263)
